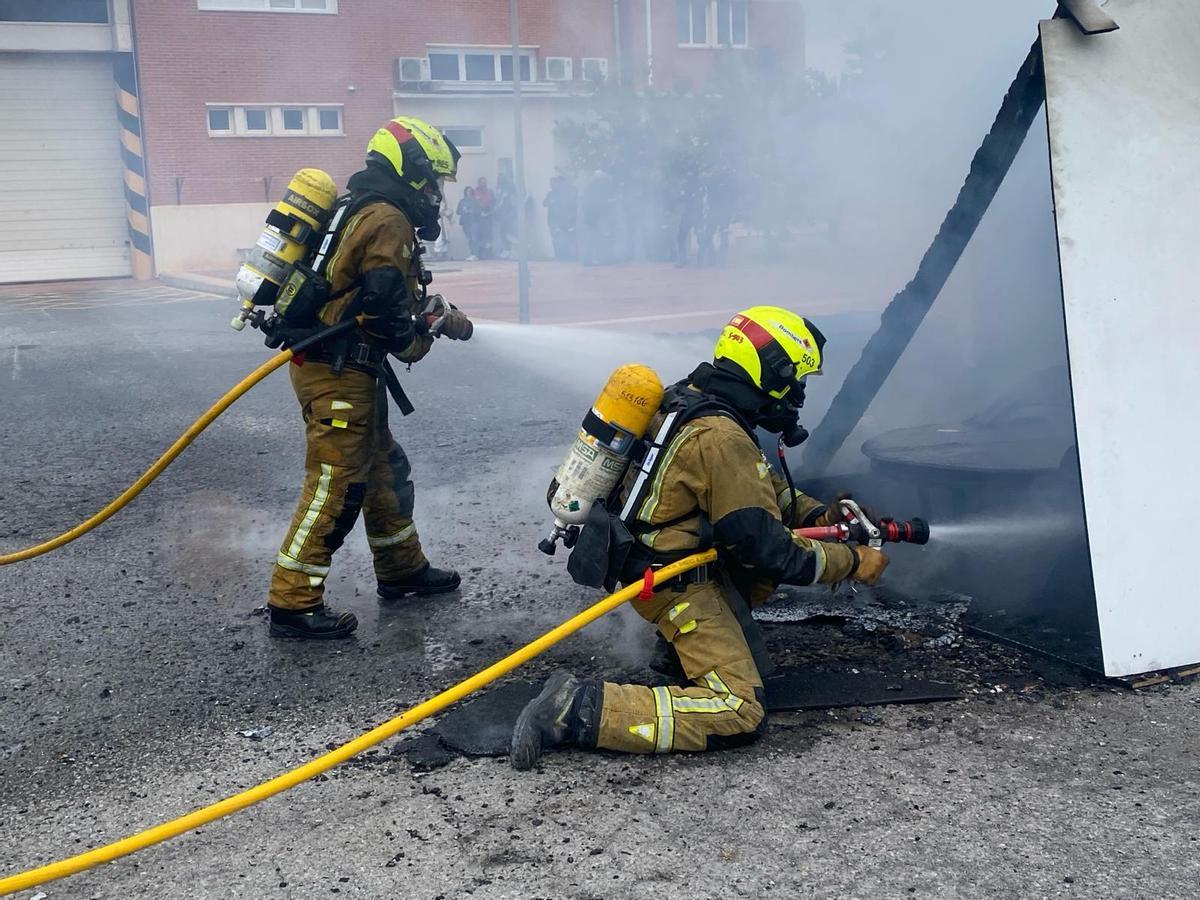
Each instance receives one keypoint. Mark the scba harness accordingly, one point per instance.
(610, 547)
(307, 291)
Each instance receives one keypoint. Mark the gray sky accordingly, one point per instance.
(831, 23)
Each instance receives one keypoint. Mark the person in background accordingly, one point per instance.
(505, 216)
(597, 211)
(487, 211)
(562, 214)
(468, 218)
(441, 245)
(718, 214)
(690, 203)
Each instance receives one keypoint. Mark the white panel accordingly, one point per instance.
(1124, 121)
(62, 212)
(57, 37)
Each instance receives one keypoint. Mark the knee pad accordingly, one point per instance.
(351, 507)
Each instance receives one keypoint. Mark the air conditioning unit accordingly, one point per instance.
(595, 68)
(412, 69)
(559, 68)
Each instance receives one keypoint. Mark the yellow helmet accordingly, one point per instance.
(775, 348)
(416, 150)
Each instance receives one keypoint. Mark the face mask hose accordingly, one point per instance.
(787, 473)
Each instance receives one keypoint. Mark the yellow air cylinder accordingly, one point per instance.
(303, 211)
(600, 455)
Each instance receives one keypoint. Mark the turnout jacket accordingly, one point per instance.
(377, 246)
(713, 472)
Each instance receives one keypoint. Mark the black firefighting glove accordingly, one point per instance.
(446, 319)
(457, 326)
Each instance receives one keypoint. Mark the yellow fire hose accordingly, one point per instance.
(176, 448)
(290, 779)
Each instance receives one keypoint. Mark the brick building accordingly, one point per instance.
(236, 95)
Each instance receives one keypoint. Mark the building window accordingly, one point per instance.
(255, 119)
(287, 6)
(467, 138)
(506, 68)
(293, 119)
(276, 121)
(712, 23)
(478, 64)
(86, 11)
(329, 119)
(693, 22)
(220, 120)
(444, 67)
(731, 23)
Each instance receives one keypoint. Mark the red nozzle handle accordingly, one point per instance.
(824, 533)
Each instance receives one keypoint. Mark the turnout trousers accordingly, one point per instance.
(723, 707)
(352, 465)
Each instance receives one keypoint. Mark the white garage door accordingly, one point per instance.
(62, 200)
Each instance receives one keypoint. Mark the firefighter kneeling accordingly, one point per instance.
(704, 482)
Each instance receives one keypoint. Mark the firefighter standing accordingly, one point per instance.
(711, 486)
(353, 464)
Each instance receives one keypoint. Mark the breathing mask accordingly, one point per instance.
(782, 416)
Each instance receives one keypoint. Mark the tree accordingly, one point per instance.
(742, 136)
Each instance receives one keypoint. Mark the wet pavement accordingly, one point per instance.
(135, 660)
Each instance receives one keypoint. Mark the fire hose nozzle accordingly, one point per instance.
(888, 531)
(912, 531)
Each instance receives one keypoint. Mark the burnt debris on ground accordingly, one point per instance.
(835, 650)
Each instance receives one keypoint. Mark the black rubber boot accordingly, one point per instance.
(664, 660)
(319, 623)
(567, 711)
(422, 583)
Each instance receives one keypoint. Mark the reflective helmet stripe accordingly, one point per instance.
(398, 131)
(759, 336)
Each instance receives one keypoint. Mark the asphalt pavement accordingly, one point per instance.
(137, 680)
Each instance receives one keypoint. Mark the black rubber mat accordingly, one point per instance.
(426, 752)
(793, 690)
(482, 726)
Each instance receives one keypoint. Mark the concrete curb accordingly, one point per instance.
(189, 281)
